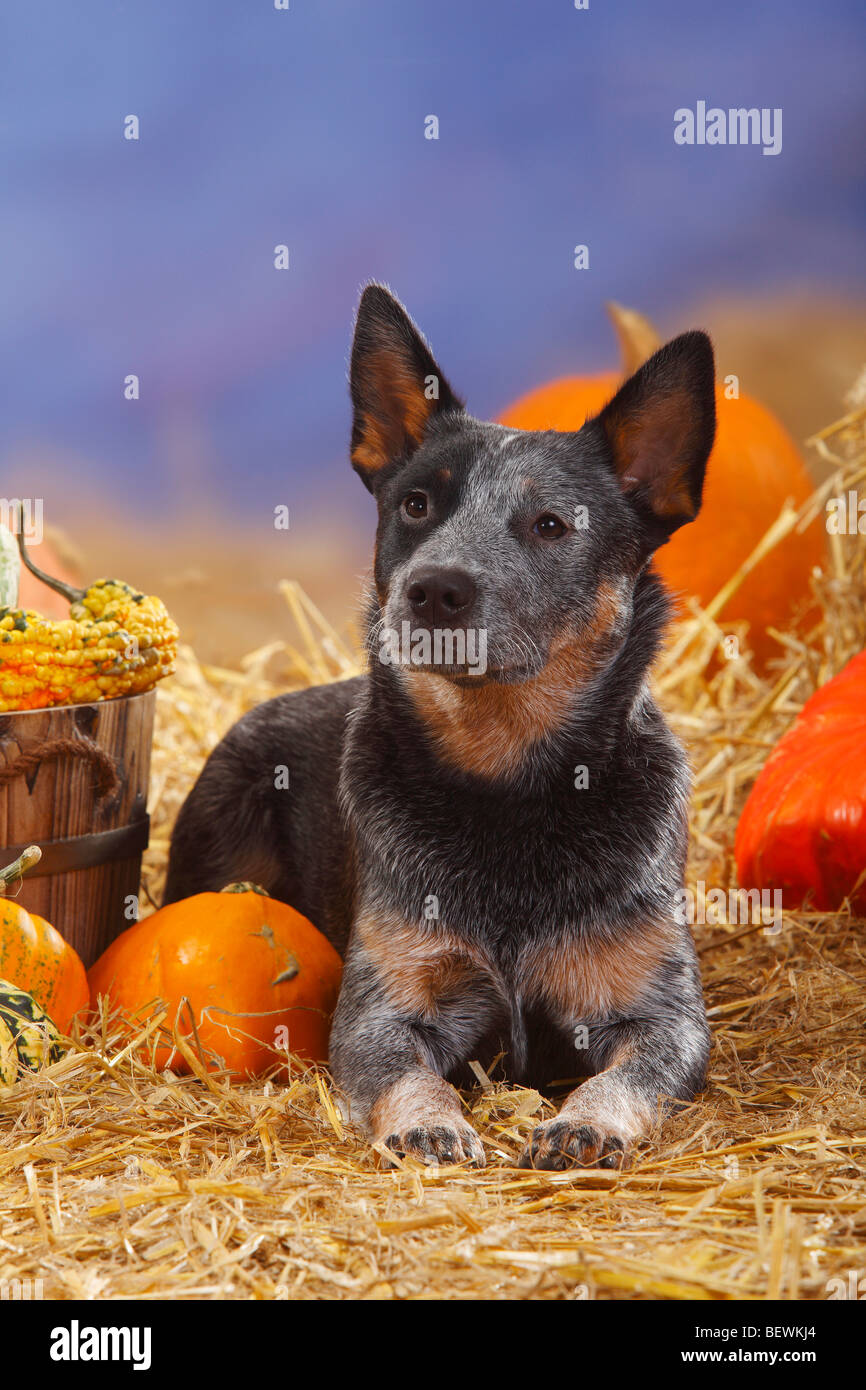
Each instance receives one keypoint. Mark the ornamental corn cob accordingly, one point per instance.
(114, 642)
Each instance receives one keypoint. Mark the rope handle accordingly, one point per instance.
(107, 780)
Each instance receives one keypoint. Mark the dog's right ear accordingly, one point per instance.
(395, 383)
(659, 429)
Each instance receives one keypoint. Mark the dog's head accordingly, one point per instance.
(528, 543)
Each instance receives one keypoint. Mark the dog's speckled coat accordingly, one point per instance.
(496, 855)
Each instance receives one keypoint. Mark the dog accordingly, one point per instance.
(494, 846)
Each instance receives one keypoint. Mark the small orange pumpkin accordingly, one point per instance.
(753, 470)
(34, 956)
(259, 977)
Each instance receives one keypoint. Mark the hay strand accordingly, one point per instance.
(120, 1181)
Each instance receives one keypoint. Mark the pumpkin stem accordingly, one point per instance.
(638, 340)
(245, 888)
(58, 585)
(28, 857)
(291, 970)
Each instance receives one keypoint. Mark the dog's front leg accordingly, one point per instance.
(645, 1063)
(412, 1005)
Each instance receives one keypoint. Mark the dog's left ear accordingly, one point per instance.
(660, 427)
(395, 383)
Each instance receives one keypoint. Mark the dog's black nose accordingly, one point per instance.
(439, 595)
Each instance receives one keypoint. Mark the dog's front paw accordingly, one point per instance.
(562, 1143)
(439, 1140)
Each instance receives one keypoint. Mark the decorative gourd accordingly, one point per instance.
(753, 470)
(28, 1038)
(34, 956)
(114, 641)
(803, 827)
(249, 965)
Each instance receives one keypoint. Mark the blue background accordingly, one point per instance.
(307, 127)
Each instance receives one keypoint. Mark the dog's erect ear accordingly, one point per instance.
(660, 427)
(395, 383)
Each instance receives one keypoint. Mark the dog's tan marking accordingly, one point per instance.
(647, 442)
(579, 979)
(420, 1097)
(607, 1104)
(611, 1105)
(371, 453)
(489, 730)
(404, 411)
(420, 967)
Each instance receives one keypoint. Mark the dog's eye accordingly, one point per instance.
(415, 505)
(550, 527)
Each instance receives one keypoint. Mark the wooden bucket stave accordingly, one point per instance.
(74, 781)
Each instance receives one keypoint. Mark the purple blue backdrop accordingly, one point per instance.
(306, 127)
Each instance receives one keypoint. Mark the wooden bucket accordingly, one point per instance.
(73, 780)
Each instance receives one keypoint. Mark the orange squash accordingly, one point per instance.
(803, 827)
(753, 470)
(259, 977)
(35, 958)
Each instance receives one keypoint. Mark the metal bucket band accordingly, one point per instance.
(86, 851)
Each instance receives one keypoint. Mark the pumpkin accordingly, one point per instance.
(28, 1038)
(803, 827)
(249, 966)
(35, 957)
(753, 470)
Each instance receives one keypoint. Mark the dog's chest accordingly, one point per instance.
(500, 868)
(564, 976)
(572, 975)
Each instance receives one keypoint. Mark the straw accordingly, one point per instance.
(120, 1181)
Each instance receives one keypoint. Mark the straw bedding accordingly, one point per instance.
(117, 1181)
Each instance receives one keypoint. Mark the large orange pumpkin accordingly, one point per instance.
(250, 967)
(803, 827)
(753, 470)
(35, 958)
